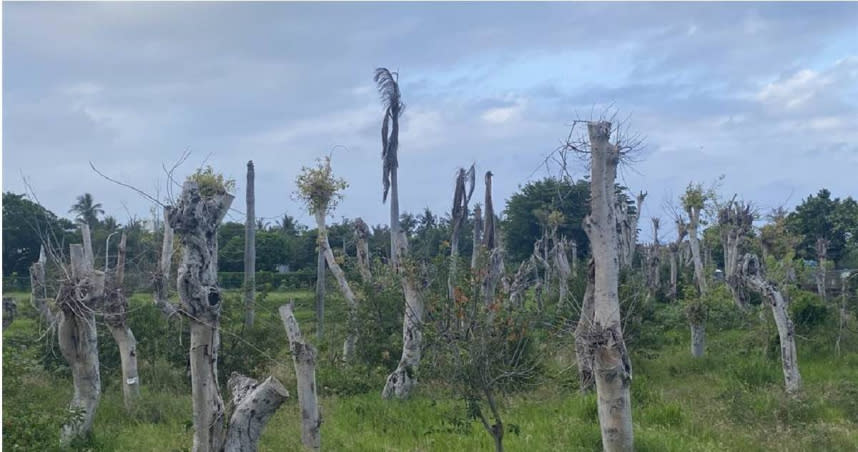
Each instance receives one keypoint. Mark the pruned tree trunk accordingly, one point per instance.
(195, 219)
(735, 221)
(754, 274)
(489, 226)
(250, 250)
(844, 277)
(362, 246)
(697, 322)
(821, 254)
(10, 310)
(340, 276)
(402, 381)
(320, 295)
(583, 342)
(160, 280)
(304, 357)
(457, 218)
(39, 291)
(115, 316)
(78, 340)
(478, 242)
(611, 364)
(674, 271)
(254, 404)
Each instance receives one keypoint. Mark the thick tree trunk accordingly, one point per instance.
(254, 404)
(351, 300)
(320, 295)
(78, 340)
(403, 380)
(250, 250)
(698, 326)
(583, 343)
(195, 219)
(611, 364)
(304, 357)
(755, 276)
(362, 246)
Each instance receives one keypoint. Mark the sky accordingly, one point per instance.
(765, 94)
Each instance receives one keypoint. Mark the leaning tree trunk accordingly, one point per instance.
(755, 276)
(304, 358)
(351, 300)
(115, 316)
(583, 349)
(78, 340)
(362, 246)
(250, 251)
(611, 364)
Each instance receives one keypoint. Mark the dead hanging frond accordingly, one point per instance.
(388, 86)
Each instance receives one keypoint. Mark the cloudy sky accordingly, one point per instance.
(766, 94)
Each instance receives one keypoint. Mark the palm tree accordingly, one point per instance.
(87, 211)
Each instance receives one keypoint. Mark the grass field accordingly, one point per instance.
(729, 400)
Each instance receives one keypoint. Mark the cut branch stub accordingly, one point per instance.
(254, 404)
(304, 358)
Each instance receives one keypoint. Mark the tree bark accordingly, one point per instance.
(320, 295)
(478, 229)
(115, 316)
(821, 254)
(304, 357)
(362, 246)
(78, 340)
(403, 380)
(755, 276)
(160, 280)
(351, 300)
(561, 262)
(195, 219)
(698, 339)
(697, 324)
(611, 364)
(583, 342)
(254, 404)
(250, 250)
(39, 292)
(735, 222)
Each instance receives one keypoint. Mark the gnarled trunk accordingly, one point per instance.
(78, 341)
(254, 404)
(250, 250)
(583, 343)
(116, 308)
(611, 364)
(755, 276)
(402, 381)
(304, 357)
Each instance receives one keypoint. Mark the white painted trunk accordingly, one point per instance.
(611, 364)
(254, 403)
(304, 358)
(340, 276)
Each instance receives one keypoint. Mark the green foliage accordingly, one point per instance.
(820, 216)
(318, 188)
(807, 311)
(211, 183)
(522, 226)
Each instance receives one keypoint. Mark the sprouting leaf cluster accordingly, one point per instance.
(318, 188)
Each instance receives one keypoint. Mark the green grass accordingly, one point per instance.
(730, 400)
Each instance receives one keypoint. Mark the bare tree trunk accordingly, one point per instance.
(583, 350)
(457, 218)
(612, 367)
(735, 222)
(362, 246)
(195, 219)
(78, 340)
(698, 339)
(755, 276)
(521, 282)
(843, 313)
(351, 300)
(10, 310)
(304, 357)
(250, 250)
(478, 229)
(39, 292)
(821, 254)
(563, 270)
(574, 256)
(697, 322)
(116, 308)
(254, 404)
(674, 274)
(320, 295)
(402, 381)
(161, 281)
